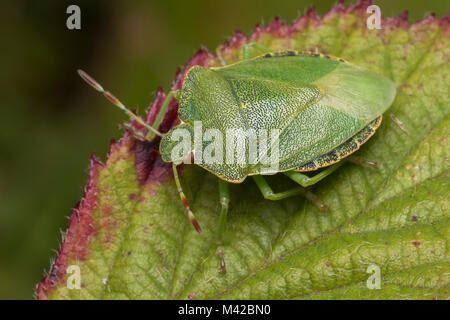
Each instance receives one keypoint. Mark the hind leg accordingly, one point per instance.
(268, 193)
(305, 181)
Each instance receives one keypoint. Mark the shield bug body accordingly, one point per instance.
(307, 110)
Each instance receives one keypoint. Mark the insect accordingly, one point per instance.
(322, 107)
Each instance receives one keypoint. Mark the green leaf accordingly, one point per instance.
(131, 239)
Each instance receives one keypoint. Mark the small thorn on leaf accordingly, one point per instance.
(220, 255)
(316, 201)
(399, 124)
(222, 267)
(373, 164)
(363, 162)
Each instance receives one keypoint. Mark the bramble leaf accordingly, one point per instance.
(131, 240)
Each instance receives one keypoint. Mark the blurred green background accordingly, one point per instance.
(51, 121)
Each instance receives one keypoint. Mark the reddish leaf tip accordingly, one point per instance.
(398, 22)
(404, 15)
(310, 17)
(202, 57)
(277, 27)
(178, 81)
(360, 6)
(256, 33)
(237, 40)
(312, 14)
(444, 22)
(95, 161)
(112, 143)
(339, 8)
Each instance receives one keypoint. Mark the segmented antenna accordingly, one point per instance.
(185, 202)
(94, 84)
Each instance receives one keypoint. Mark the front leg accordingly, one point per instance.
(306, 181)
(162, 112)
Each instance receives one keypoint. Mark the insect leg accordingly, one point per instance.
(224, 196)
(399, 124)
(268, 193)
(161, 113)
(184, 200)
(93, 83)
(247, 49)
(305, 181)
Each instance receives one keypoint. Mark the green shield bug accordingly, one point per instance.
(308, 110)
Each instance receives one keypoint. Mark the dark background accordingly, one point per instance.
(51, 121)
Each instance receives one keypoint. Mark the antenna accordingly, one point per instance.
(94, 84)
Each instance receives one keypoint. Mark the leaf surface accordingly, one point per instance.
(131, 240)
